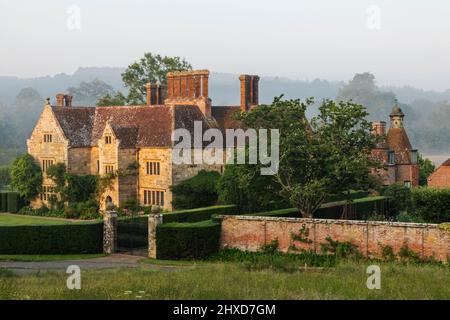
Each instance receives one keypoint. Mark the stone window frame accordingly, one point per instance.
(47, 192)
(48, 137)
(154, 197)
(108, 139)
(407, 184)
(46, 163)
(153, 168)
(109, 168)
(391, 157)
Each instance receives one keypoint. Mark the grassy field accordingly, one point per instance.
(233, 281)
(20, 220)
(48, 257)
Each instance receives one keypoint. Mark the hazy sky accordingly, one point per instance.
(298, 39)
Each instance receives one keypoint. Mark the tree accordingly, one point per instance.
(329, 156)
(426, 168)
(249, 191)
(88, 93)
(151, 68)
(26, 177)
(5, 176)
(198, 191)
(116, 99)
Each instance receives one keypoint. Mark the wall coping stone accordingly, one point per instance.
(331, 221)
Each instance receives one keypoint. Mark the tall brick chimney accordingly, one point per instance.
(249, 91)
(155, 94)
(68, 100)
(379, 128)
(63, 100)
(60, 100)
(189, 88)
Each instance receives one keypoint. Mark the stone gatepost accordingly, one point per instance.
(110, 231)
(153, 221)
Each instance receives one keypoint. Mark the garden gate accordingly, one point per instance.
(132, 235)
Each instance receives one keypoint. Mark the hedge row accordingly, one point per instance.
(11, 202)
(432, 204)
(201, 214)
(187, 240)
(362, 207)
(52, 239)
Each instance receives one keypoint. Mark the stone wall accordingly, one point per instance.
(250, 233)
(56, 150)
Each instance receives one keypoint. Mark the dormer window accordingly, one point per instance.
(391, 157)
(48, 138)
(108, 139)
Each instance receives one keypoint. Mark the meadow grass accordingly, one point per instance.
(21, 220)
(214, 280)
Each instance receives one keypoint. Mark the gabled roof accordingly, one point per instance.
(224, 116)
(135, 126)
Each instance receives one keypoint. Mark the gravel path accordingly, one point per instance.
(111, 261)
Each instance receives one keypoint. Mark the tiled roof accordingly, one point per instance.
(224, 116)
(398, 139)
(446, 163)
(135, 126)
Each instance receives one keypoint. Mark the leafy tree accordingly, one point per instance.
(426, 169)
(26, 176)
(88, 93)
(401, 198)
(198, 191)
(250, 192)
(151, 68)
(329, 156)
(116, 99)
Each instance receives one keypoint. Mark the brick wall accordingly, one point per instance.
(250, 233)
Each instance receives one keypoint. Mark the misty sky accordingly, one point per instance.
(296, 39)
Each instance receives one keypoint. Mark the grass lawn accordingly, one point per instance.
(20, 220)
(48, 257)
(234, 281)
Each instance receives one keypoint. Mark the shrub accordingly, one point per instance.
(409, 217)
(401, 198)
(26, 177)
(198, 191)
(52, 239)
(187, 240)
(432, 204)
(201, 214)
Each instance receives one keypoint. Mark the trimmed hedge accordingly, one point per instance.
(201, 214)
(11, 201)
(3, 201)
(52, 239)
(362, 207)
(187, 240)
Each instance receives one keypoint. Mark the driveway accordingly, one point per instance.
(111, 261)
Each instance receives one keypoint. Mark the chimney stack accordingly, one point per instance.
(249, 91)
(155, 94)
(189, 88)
(63, 100)
(379, 128)
(60, 100)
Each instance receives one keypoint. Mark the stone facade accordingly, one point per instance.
(251, 233)
(103, 140)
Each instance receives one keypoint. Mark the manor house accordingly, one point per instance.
(133, 141)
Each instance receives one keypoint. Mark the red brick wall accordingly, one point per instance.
(250, 233)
